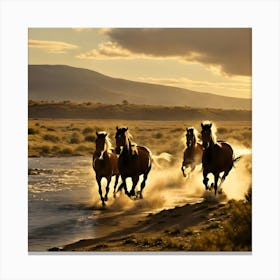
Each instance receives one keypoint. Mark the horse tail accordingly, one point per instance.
(164, 156)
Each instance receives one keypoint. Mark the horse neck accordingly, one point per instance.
(127, 146)
(192, 146)
(211, 144)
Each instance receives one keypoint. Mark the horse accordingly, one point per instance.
(193, 152)
(105, 163)
(217, 156)
(134, 161)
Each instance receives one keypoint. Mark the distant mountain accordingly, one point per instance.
(61, 82)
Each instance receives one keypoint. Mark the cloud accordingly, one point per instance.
(51, 46)
(80, 29)
(239, 86)
(107, 50)
(226, 49)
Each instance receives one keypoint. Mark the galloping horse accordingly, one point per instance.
(104, 163)
(193, 152)
(133, 161)
(217, 155)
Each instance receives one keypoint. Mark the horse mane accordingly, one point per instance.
(195, 133)
(213, 129)
(109, 146)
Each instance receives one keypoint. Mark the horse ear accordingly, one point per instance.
(117, 128)
(210, 125)
(126, 129)
(201, 125)
(106, 134)
(97, 134)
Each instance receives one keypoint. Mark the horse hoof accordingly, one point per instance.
(132, 193)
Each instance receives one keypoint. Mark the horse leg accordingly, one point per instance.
(222, 180)
(183, 169)
(135, 180)
(224, 177)
(107, 188)
(115, 185)
(98, 179)
(143, 184)
(123, 185)
(205, 179)
(216, 182)
(192, 166)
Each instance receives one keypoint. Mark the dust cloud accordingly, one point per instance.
(166, 187)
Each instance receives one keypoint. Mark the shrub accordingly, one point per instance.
(90, 138)
(82, 148)
(75, 138)
(235, 234)
(66, 151)
(158, 135)
(50, 129)
(55, 149)
(87, 130)
(45, 149)
(51, 137)
(32, 131)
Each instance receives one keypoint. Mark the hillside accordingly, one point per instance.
(69, 110)
(61, 82)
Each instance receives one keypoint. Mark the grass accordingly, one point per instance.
(231, 232)
(63, 137)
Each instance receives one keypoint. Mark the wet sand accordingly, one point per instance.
(167, 230)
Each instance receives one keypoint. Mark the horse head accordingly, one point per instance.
(190, 137)
(121, 138)
(100, 144)
(206, 134)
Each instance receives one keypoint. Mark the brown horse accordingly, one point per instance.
(133, 161)
(217, 155)
(105, 163)
(193, 152)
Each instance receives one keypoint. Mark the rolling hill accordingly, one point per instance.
(61, 82)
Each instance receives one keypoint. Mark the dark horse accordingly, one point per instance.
(193, 152)
(217, 155)
(104, 163)
(133, 161)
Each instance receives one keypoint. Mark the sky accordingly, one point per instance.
(213, 60)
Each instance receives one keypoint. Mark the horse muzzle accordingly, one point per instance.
(118, 150)
(205, 145)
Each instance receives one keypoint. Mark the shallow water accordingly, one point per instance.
(64, 205)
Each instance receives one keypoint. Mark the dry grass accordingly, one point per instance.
(47, 137)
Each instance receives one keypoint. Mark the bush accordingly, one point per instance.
(75, 139)
(90, 138)
(50, 129)
(158, 135)
(87, 130)
(32, 131)
(45, 149)
(51, 137)
(235, 234)
(82, 148)
(66, 151)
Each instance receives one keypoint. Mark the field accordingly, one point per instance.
(220, 223)
(74, 137)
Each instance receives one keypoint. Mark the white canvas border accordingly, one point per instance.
(17, 16)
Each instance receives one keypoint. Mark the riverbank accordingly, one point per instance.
(205, 226)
